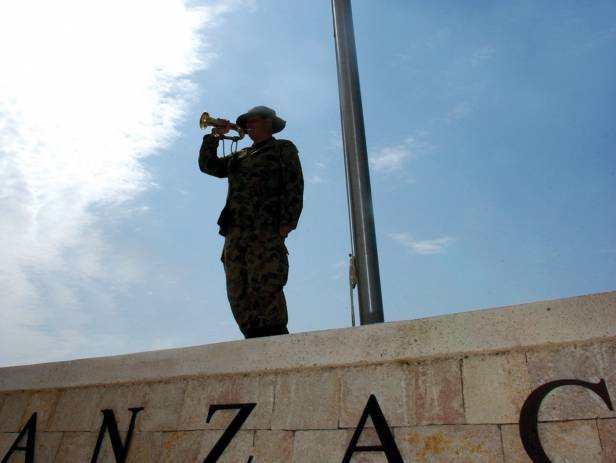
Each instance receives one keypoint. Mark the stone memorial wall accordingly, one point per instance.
(527, 383)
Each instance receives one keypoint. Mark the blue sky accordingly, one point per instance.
(490, 134)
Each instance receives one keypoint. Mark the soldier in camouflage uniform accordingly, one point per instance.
(264, 202)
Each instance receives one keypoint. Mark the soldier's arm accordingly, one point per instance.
(209, 162)
(292, 195)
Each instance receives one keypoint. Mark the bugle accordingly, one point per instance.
(208, 121)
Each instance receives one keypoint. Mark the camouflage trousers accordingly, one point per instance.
(256, 270)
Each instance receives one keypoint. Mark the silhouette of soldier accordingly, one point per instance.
(263, 206)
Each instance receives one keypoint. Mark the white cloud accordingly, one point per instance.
(316, 179)
(392, 158)
(458, 112)
(335, 140)
(341, 268)
(482, 54)
(422, 247)
(87, 90)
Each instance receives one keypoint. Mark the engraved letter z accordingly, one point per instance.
(231, 431)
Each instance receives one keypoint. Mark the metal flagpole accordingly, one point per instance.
(356, 163)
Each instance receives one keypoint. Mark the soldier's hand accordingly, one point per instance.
(284, 229)
(222, 130)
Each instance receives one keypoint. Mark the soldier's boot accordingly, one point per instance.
(266, 331)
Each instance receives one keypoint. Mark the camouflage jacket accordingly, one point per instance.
(266, 185)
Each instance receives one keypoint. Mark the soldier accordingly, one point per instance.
(264, 202)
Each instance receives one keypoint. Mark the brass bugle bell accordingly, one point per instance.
(208, 121)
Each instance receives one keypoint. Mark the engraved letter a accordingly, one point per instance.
(30, 429)
(388, 444)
